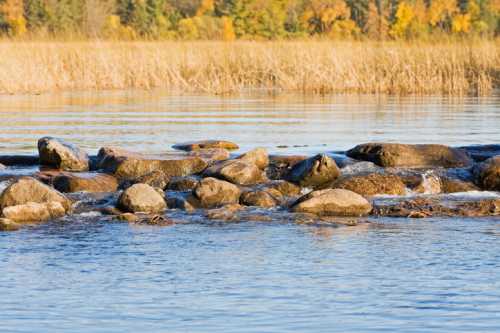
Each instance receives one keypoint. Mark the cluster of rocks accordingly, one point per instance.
(205, 178)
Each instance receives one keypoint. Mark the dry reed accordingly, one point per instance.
(453, 67)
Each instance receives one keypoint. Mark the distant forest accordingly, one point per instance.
(249, 19)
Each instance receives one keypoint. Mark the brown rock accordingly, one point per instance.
(156, 179)
(335, 202)
(213, 193)
(372, 184)
(286, 189)
(183, 183)
(184, 201)
(258, 156)
(280, 165)
(28, 189)
(405, 155)
(85, 182)
(258, 198)
(428, 184)
(237, 172)
(210, 156)
(32, 212)
(225, 213)
(487, 174)
(450, 185)
(128, 217)
(62, 155)
(141, 198)
(9, 225)
(314, 172)
(206, 144)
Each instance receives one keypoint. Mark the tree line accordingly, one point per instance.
(249, 19)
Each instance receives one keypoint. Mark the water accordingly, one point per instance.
(86, 274)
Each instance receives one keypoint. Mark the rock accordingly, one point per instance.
(213, 193)
(110, 210)
(280, 165)
(286, 189)
(2, 167)
(372, 184)
(156, 179)
(479, 153)
(141, 198)
(406, 155)
(225, 213)
(258, 156)
(156, 220)
(183, 201)
(258, 198)
(428, 184)
(314, 172)
(85, 182)
(19, 160)
(33, 212)
(334, 202)
(450, 185)
(206, 144)
(9, 225)
(128, 165)
(487, 174)
(210, 156)
(62, 155)
(183, 183)
(128, 217)
(237, 172)
(28, 189)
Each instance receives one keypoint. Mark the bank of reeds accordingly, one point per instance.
(450, 67)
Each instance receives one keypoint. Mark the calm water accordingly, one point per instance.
(88, 275)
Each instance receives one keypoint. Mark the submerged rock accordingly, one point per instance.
(206, 144)
(258, 156)
(62, 155)
(237, 172)
(85, 182)
(34, 212)
(183, 201)
(334, 202)
(141, 198)
(28, 189)
(9, 225)
(213, 193)
(406, 155)
(129, 165)
(314, 172)
(224, 213)
(372, 184)
(480, 153)
(487, 174)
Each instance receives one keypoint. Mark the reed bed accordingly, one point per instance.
(452, 67)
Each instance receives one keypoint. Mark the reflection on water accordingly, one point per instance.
(153, 121)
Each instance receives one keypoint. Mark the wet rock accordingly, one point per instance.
(19, 160)
(128, 217)
(280, 165)
(450, 185)
(85, 182)
(284, 187)
(405, 155)
(487, 174)
(183, 201)
(110, 210)
(206, 144)
(129, 165)
(213, 193)
(237, 172)
(34, 212)
(428, 184)
(183, 183)
(156, 220)
(9, 225)
(28, 189)
(334, 202)
(156, 179)
(258, 156)
(141, 198)
(225, 213)
(259, 199)
(211, 156)
(314, 172)
(479, 153)
(372, 184)
(62, 155)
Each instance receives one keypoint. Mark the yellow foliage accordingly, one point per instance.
(206, 6)
(228, 29)
(113, 28)
(17, 26)
(494, 6)
(188, 29)
(321, 15)
(461, 23)
(404, 17)
(440, 10)
(344, 29)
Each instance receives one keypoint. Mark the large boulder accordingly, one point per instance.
(130, 165)
(257, 156)
(34, 212)
(206, 144)
(406, 155)
(372, 184)
(333, 202)
(156, 178)
(237, 172)
(487, 174)
(213, 193)
(188, 183)
(314, 172)
(62, 155)
(280, 165)
(85, 182)
(259, 198)
(141, 198)
(28, 189)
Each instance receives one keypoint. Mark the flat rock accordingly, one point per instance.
(28, 189)
(141, 198)
(257, 156)
(479, 153)
(487, 174)
(372, 184)
(314, 172)
(62, 155)
(333, 202)
(206, 144)
(34, 212)
(85, 182)
(19, 160)
(214, 193)
(406, 155)
(452, 185)
(237, 172)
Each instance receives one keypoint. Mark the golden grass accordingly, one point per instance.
(452, 67)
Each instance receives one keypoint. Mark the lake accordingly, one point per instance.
(85, 274)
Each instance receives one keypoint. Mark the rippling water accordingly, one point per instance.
(88, 275)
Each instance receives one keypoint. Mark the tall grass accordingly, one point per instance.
(450, 67)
